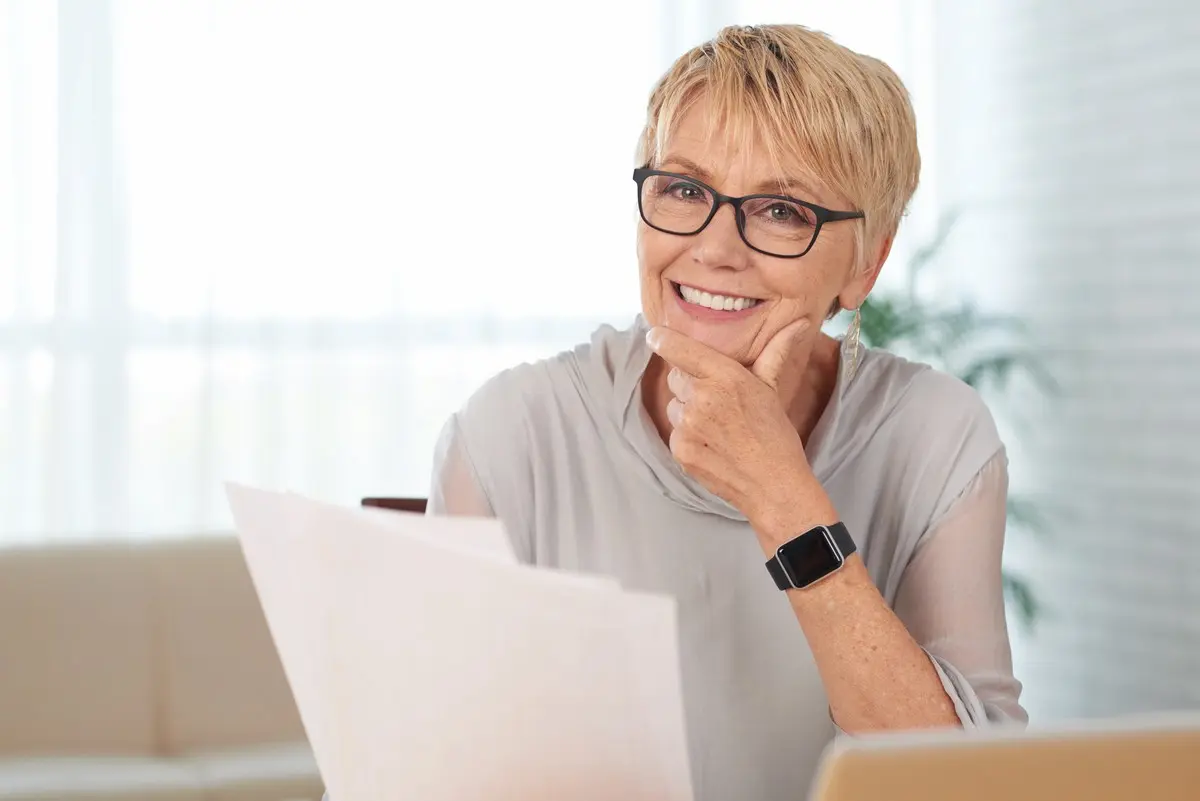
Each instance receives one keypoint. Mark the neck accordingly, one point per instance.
(804, 394)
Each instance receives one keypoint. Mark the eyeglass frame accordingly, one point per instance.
(822, 214)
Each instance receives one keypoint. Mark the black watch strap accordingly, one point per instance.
(812, 541)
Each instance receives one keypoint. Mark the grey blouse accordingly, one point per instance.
(563, 452)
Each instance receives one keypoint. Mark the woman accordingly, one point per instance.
(680, 454)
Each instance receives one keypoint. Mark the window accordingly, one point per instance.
(279, 242)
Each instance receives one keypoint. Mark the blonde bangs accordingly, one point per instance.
(810, 103)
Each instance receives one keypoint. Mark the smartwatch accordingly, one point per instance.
(812, 556)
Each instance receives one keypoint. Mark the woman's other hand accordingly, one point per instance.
(731, 430)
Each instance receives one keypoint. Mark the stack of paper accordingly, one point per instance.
(428, 665)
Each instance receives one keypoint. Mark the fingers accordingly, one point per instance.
(682, 387)
(675, 412)
(680, 384)
(787, 350)
(777, 355)
(690, 356)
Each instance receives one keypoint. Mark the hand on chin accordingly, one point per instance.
(731, 339)
(729, 428)
(731, 327)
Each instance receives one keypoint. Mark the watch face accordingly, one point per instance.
(810, 557)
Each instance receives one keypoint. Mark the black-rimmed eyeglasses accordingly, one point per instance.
(775, 225)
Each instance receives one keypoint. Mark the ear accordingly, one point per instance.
(862, 282)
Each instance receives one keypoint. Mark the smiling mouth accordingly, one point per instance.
(699, 297)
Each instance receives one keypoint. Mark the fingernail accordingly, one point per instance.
(652, 338)
(675, 412)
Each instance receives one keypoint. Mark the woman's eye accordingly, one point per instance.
(782, 212)
(686, 191)
(789, 214)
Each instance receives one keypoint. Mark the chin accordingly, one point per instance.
(728, 330)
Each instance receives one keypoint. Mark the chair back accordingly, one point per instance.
(399, 504)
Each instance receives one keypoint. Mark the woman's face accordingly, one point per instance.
(717, 261)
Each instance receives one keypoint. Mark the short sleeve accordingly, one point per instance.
(455, 489)
(951, 599)
(484, 458)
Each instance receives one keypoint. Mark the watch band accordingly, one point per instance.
(838, 536)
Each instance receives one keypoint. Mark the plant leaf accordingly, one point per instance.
(996, 369)
(1026, 514)
(886, 320)
(928, 252)
(1018, 591)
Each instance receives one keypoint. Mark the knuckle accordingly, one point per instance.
(694, 415)
(707, 401)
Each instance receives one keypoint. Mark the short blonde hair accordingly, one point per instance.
(844, 116)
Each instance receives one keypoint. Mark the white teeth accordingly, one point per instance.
(719, 302)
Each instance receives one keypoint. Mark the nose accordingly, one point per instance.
(720, 244)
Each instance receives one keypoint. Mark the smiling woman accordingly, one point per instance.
(829, 521)
(723, 430)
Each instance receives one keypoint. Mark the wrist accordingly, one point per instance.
(792, 508)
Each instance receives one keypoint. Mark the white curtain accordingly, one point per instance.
(279, 242)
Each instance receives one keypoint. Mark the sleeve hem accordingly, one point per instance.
(968, 707)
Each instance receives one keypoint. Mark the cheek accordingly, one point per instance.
(799, 290)
(656, 252)
(809, 286)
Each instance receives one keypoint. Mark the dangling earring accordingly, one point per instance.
(850, 343)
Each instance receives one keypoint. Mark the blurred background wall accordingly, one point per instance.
(1069, 135)
(279, 242)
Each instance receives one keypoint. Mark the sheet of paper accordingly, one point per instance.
(439, 673)
(478, 535)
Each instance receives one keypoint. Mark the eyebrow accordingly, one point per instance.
(765, 188)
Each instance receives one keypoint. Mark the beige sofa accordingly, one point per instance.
(143, 670)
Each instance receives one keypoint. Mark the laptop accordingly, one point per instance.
(1152, 758)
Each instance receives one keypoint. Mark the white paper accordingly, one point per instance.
(482, 535)
(479, 535)
(438, 672)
